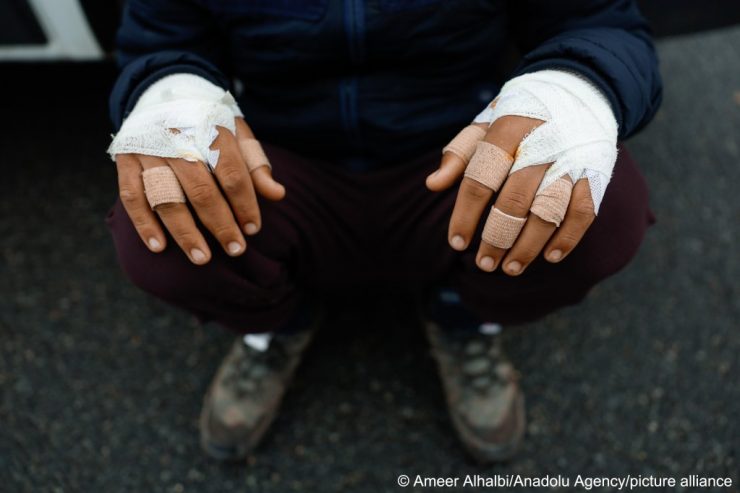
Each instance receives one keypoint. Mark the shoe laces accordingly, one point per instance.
(482, 361)
(251, 366)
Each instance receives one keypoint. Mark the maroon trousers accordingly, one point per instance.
(337, 230)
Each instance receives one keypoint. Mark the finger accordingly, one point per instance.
(455, 157)
(505, 134)
(577, 220)
(258, 164)
(546, 214)
(233, 176)
(528, 245)
(509, 214)
(133, 198)
(179, 222)
(472, 199)
(209, 204)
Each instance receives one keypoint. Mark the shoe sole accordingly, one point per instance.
(484, 452)
(237, 451)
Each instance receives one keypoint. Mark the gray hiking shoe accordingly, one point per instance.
(482, 389)
(246, 393)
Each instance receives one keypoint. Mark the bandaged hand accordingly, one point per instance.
(546, 146)
(186, 140)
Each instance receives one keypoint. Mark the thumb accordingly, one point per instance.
(266, 185)
(262, 179)
(456, 156)
(450, 170)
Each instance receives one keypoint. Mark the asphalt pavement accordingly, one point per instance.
(100, 386)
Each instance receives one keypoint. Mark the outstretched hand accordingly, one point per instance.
(514, 199)
(224, 201)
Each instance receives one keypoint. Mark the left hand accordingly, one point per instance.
(544, 166)
(515, 199)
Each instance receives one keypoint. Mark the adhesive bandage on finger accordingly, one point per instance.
(551, 203)
(490, 165)
(253, 154)
(161, 186)
(579, 133)
(465, 142)
(177, 117)
(501, 230)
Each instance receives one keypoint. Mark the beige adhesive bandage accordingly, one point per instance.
(161, 186)
(501, 229)
(551, 203)
(253, 154)
(490, 165)
(463, 145)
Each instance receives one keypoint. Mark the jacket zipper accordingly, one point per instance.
(354, 26)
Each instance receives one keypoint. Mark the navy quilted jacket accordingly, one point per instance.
(370, 83)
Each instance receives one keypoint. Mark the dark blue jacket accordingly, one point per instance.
(371, 83)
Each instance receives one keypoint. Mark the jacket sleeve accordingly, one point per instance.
(159, 38)
(607, 41)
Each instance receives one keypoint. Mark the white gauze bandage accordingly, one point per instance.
(579, 135)
(176, 117)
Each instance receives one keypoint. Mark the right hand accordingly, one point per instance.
(227, 212)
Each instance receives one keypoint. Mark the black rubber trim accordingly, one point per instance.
(18, 25)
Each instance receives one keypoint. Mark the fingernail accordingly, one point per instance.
(234, 247)
(514, 267)
(250, 228)
(154, 244)
(197, 255)
(457, 242)
(487, 263)
(555, 255)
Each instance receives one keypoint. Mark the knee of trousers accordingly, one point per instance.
(142, 267)
(614, 238)
(168, 275)
(250, 282)
(497, 297)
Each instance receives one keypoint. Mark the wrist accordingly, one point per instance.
(185, 86)
(185, 102)
(580, 88)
